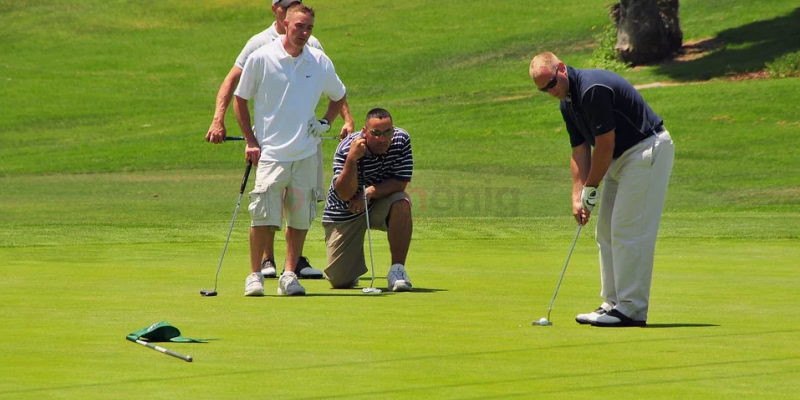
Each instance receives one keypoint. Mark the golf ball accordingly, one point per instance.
(543, 321)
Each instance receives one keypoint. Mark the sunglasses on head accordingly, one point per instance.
(387, 133)
(550, 84)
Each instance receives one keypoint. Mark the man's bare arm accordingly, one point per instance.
(217, 132)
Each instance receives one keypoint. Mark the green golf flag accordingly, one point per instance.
(161, 332)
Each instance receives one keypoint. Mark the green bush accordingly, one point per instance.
(785, 66)
(604, 56)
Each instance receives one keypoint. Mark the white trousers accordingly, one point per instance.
(631, 203)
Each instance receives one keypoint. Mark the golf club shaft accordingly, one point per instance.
(163, 350)
(366, 213)
(233, 220)
(575, 240)
(235, 138)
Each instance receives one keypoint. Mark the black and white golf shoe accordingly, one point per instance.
(304, 270)
(615, 319)
(585, 319)
(268, 270)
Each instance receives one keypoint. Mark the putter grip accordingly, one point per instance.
(231, 138)
(244, 178)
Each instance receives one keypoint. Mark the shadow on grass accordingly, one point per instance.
(738, 50)
(679, 325)
(356, 292)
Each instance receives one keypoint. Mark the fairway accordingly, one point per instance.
(114, 211)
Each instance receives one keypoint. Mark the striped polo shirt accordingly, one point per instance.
(396, 163)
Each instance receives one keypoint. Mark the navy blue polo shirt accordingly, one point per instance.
(396, 163)
(600, 101)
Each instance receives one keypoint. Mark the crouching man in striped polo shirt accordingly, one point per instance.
(380, 159)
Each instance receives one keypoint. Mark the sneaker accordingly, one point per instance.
(305, 271)
(589, 317)
(289, 285)
(254, 285)
(268, 269)
(398, 279)
(614, 319)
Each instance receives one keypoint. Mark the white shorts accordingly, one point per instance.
(268, 203)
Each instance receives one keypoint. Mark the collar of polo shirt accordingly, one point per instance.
(284, 54)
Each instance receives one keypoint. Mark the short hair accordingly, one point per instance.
(299, 8)
(378, 113)
(544, 61)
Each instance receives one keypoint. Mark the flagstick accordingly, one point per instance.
(161, 349)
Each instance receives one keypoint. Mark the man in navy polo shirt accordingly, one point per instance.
(379, 158)
(632, 156)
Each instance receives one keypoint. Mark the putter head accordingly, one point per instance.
(542, 322)
(208, 293)
(371, 290)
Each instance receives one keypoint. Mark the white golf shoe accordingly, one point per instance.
(254, 285)
(289, 286)
(398, 279)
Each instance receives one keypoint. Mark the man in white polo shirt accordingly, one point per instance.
(217, 131)
(285, 79)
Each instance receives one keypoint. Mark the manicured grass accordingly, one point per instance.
(113, 211)
(722, 323)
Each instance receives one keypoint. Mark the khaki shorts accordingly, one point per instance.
(345, 241)
(268, 202)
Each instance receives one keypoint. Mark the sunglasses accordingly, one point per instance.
(550, 84)
(387, 133)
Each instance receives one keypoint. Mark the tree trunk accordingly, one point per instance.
(648, 31)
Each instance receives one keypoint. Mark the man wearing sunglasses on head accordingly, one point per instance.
(217, 131)
(632, 156)
(379, 158)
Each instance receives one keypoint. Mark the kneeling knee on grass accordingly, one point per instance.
(345, 240)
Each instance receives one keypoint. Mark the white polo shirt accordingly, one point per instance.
(264, 38)
(286, 91)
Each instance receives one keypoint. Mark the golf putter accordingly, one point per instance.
(211, 293)
(546, 321)
(371, 288)
(162, 350)
(235, 138)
